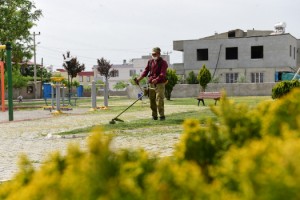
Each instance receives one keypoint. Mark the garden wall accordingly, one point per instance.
(233, 89)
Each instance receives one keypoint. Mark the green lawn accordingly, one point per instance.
(174, 121)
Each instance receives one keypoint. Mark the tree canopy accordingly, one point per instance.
(17, 17)
(73, 67)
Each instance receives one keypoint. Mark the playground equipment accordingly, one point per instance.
(57, 85)
(8, 49)
(94, 96)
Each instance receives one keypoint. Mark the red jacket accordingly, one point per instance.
(156, 70)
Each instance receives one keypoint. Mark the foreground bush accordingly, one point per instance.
(250, 153)
(284, 87)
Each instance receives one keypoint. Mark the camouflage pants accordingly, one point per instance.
(157, 96)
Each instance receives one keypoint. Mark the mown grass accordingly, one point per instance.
(202, 113)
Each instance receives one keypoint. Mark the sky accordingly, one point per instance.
(120, 30)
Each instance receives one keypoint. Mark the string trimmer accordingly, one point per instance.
(113, 121)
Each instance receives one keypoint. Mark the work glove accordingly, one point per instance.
(136, 81)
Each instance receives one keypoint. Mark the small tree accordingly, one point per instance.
(192, 78)
(120, 85)
(73, 67)
(172, 81)
(204, 77)
(104, 68)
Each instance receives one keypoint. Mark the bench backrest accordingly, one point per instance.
(210, 94)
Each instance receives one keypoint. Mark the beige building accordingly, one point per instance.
(253, 56)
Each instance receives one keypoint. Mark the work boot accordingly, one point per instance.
(154, 118)
(162, 118)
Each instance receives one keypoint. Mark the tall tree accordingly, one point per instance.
(73, 67)
(17, 17)
(204, 77)
(104, 68)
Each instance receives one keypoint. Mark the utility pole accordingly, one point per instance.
(41, 70)
(34, 51)
(168, 56)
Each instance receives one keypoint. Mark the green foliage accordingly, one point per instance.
(172, 81)
(204, 77)
(41, 73)
(192, 78)
(249, 153)
(76, 84)
(143, 82)
(18, 80)
(16, 20)
(284, 87)
(120, 85)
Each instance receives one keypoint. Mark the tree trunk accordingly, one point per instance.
(69, 93)
(106, 92)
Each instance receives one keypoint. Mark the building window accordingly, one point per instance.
(257, 52)
(257, 77)
(132, 72)
(290, 50)
(88, 79)
(231, 77)
(80, 78)
(231, 34)
(114, 73)
(202, 54)
(231, 53)
(294, 53)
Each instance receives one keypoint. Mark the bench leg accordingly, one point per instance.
(202, 102)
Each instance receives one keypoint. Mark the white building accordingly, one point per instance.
(125, 71)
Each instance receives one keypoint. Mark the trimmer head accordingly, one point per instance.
(113, 121)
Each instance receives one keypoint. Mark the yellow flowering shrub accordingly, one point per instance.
(249, 153)
(262, 169)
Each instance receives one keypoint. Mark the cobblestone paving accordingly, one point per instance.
(34, 133)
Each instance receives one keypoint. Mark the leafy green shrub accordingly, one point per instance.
(172, 81)
(192, 78)
(284, 87)
(204, 77)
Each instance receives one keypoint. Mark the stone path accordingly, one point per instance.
(33, 132)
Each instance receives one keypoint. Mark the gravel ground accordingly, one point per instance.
(33, 132)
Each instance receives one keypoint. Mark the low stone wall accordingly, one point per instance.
(233, 89)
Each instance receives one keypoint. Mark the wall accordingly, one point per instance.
(234, 89)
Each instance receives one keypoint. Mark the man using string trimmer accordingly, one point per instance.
(156, 71)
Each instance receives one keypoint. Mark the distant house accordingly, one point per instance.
(84, 78)
(125, 71)
(253, 56)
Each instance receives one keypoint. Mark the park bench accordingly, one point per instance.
(208, 95)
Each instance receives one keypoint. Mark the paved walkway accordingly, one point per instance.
(33, 132)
